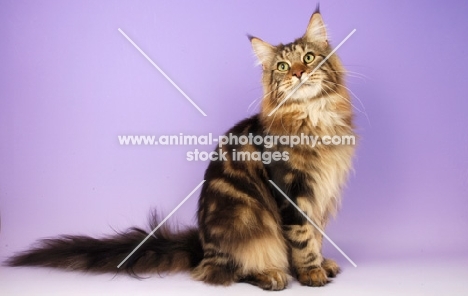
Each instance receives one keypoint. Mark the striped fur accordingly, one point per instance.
(247, 231)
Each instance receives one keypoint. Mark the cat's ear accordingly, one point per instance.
(316, 31)
(263, 50)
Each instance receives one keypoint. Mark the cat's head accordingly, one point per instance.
(285, 66)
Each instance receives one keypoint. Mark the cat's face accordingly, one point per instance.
(286, 66)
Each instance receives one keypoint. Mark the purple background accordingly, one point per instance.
(70, 83)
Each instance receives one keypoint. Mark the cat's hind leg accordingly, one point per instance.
(263, 262)
(242, 241)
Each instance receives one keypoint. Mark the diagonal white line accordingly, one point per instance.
(160, 224)
(311, 73)
(312, 222)
(162, 72)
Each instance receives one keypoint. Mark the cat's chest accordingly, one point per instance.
(317, 118)
(323, 170)
(321, 114)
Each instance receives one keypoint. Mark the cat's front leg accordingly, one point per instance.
(310, 267)
(306, 255)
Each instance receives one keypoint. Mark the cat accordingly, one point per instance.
(247, 230)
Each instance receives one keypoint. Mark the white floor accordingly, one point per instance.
(404, 277)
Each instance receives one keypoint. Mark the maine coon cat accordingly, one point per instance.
(247, 231)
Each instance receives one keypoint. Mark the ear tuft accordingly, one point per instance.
(317, 8)
(316, 31)
(263, 50)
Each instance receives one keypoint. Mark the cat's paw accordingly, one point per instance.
(273, 280)
(214, 274)
(314, 277)
(331, 267)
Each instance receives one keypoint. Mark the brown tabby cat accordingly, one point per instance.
(247, 231)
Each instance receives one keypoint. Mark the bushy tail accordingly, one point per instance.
(165, 251)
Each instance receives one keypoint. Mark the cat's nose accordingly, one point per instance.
(297, 70)
(298, 73)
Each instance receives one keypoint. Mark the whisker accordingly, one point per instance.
(352, 93)
(344, 98)
(352, 74)
(263, 97)
(362, 105)
(258, 101)
(357, 74)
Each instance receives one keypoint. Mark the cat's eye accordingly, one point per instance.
(283, 66)
(308, 58)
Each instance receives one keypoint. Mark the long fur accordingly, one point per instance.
(165, 251)
(247, 231)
